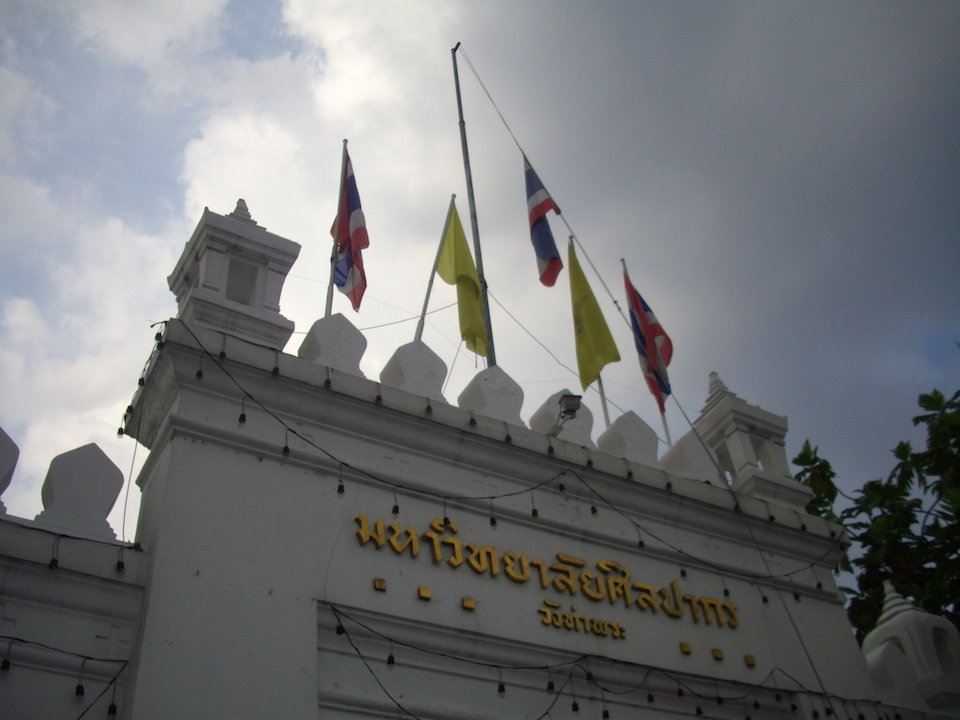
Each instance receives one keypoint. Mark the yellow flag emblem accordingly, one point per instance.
(595, 346)
(455, 266)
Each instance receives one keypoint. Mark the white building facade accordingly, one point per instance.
(316, 544)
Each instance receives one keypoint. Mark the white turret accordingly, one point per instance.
(914, 656)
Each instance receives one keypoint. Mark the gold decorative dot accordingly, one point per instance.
(423, 593)
(717, 654)
(750, 660)
(685, 648)
(380, 584)
(468, 603)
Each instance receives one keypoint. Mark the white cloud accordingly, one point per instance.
(72, 340)
(141, 32)
(731, 160)
(23, 108)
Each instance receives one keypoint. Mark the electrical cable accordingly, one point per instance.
(684, 553)
(681, 680)
(370, 670)
(397, 322)
(427, 493)
(550, 352)
(22, 641)
(763, 558)
(450, 374)
(56, 533)
(103, 692)
(562, 216)
(133, 460)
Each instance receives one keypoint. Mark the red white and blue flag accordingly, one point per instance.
(350, 231)
(539, 203)
(653, 344)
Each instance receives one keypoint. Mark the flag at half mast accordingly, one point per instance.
(595, 345)
(539, 203)
(455, 266)
(350, 233)
(653, 344)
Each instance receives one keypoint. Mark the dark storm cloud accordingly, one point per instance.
(786, 179)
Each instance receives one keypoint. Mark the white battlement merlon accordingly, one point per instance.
(576, 429)
(335, 342)
(416, 369)
(495, 394)
(79, 491)
(631, 438)
(230, 276)
(9, 454)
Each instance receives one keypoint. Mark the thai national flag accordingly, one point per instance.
(350, 231)
(653, 344)
(539, 203)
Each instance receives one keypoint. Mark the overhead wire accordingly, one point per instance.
(549, 351)
(562, 216)
(681, 680)
(468, 498)
(574, 236)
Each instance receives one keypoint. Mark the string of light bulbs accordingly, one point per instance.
(80, 689)
(395, 485)
(444, 498)
(682, 682)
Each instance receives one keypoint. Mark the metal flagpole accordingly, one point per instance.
(603, 400)
(433, 273)
(491, 355)
(336, 230)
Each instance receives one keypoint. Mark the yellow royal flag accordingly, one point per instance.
(456, 266)
(595, 346)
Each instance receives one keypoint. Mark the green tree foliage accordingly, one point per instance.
(906, 527)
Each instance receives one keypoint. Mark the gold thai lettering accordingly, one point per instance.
(456, 559)
(567, 575)
(412, 541)
(575, 622)
(510, 566)
(694, 610)
(480, 558)
(433, 536)
(647, 597)
(434, 540)
(617, 585)
(734, 619)
(364, 532)
(598, 591)
(676, 609)
(711, 609)
(566, 569)
(541, 566)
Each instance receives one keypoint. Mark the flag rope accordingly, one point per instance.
(582, 248)
(523, 152)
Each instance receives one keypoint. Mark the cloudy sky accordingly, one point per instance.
(783, 180)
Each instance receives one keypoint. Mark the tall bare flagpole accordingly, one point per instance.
(491, 355)
(336, 230)
(433, 273)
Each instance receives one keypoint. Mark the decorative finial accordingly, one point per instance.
(241, 212)
(717, 391)
(716, 384)
(893, 603)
